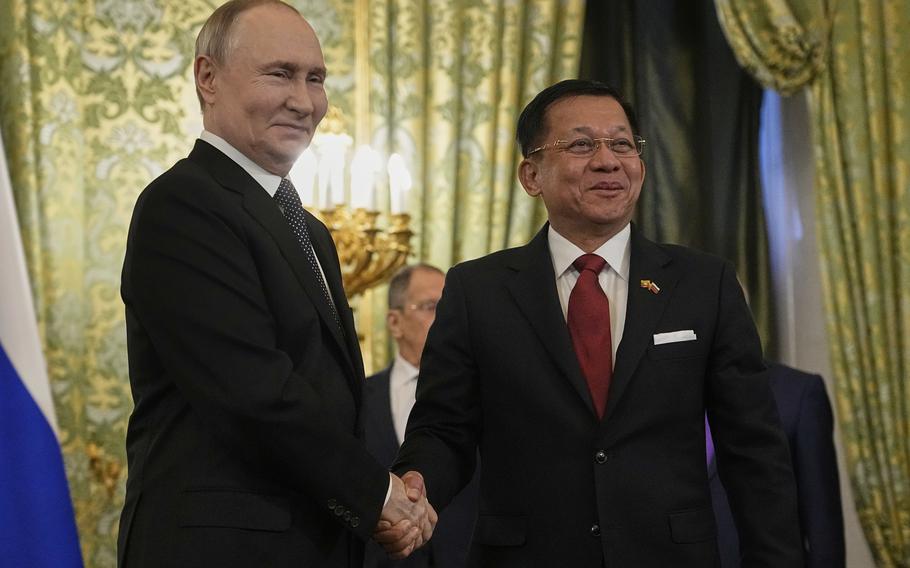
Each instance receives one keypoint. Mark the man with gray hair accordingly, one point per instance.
(244, 447)
(387, 401)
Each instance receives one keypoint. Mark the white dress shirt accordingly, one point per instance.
(402, 393)
(614, 278)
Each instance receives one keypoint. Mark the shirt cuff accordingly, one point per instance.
(388, 493)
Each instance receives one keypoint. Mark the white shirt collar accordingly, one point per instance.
(268, 181)
(615, 251)
(402, 370)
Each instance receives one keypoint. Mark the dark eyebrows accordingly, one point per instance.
(588, 131)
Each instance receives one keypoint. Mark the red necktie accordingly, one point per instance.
(589, 326)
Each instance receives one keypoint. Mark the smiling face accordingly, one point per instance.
(267, 97)
(588, 199)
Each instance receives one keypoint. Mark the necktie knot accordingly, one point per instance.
(287, 194)
(591, 262)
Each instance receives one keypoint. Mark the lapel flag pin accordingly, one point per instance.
(650, 285)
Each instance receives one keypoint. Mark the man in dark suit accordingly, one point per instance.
(243, 446)
(587, 463)
(388, 398)
(805, 413)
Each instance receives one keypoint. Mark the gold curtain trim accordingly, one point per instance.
(781, 49)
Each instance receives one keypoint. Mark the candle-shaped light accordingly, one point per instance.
(364, 167)
(399, 184)
(337, 180)
(332, 153)
(303, 176)
(324, 200)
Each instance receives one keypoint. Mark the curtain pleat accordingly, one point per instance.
(852, 56)
(700, 114)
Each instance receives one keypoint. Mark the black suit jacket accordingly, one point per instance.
(243, 446)
(452, 537)
(560, 487)
(806, 416)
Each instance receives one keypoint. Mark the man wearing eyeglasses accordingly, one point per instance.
(387, 401)
(582, 365)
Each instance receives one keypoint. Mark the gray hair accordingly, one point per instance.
(398, 285)
(216, 38)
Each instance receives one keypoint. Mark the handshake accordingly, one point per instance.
(407, 520)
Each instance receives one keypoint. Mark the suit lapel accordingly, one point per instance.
(328, 259)
(534, 290)
(643, 311)
(390, 438)
(262, 207)
(381, 429)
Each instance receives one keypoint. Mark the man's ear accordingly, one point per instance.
(393, 323)
(204, 71)
(529, 176)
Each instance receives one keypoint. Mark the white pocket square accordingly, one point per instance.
(674, 336)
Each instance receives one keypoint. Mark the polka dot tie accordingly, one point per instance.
(287, 197)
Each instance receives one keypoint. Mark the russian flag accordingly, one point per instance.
(37, 524)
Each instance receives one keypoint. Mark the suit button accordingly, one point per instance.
(355, 522)
(332, 504)
(346, 516)
(595, 530)
(339, 510)
(600, 456)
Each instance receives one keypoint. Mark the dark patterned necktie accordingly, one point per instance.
(293, 211)
(588, 319)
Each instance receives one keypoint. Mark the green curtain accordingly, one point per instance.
(782, 43)
(699, 112)
(447, 81)
(860, 110)
(93, 106)
(98, 99)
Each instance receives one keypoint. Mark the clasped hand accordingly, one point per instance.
(407, 520)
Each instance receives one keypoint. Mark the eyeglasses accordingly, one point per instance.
(585, 146)
(425, 306)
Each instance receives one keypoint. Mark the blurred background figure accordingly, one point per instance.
(387, 402)
(805, 414)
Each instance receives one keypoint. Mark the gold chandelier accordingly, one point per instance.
(343, 194)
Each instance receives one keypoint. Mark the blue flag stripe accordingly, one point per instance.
(37, 524)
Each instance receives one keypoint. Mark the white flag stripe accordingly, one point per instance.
(18, 325)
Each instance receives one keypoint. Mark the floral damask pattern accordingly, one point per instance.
(448, 80)
(782, 43)
(861, 110)
(859, 96)
(98, 100)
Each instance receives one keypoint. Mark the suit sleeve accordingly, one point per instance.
(815, 465)
(191, 280)
(753, 459)
(443, 428)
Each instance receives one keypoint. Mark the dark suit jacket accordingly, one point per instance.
(452, 537)
(243, 445)
(806, 416)
(560, 487)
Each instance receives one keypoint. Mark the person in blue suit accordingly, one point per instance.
(805, 414)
